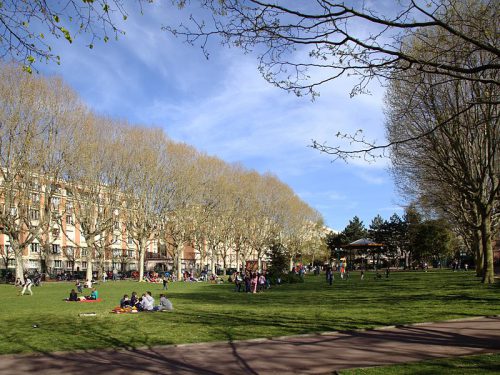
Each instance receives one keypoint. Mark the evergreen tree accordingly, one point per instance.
(279, 262)
(355, 230)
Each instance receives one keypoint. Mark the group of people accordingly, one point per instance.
(73, 295)
(343, 271)
(146, 302)
(250, 282)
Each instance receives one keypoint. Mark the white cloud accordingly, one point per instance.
(224, 107)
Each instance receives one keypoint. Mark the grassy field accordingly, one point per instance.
(470, 365)
(208, 312)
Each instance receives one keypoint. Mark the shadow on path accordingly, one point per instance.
(322, 353)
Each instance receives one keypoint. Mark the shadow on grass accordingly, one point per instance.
(346, 349)
(135, 354)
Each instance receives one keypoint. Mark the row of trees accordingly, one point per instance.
(59, 159)
(410, 239)
(440, 60)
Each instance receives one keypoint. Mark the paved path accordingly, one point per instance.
(310, 354)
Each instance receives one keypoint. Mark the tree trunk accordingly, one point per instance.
(290, 268)
(488, 272)
(18, 254)
(179, 251)
(212, 262)
(478, 252)
(244, 263)
(88, 274)
(142, 255)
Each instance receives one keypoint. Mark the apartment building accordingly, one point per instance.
(61, 247)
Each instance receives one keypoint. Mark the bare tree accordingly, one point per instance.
(456, 165)
(36, 115)
(95, 183)
(26, 26)
(146, 190)
(305, 45)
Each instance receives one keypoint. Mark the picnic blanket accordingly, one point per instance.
(91, 300)
(125, 310)
(86, 300)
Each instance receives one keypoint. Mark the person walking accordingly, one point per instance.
(27, 285)
(165, 282)
(329, 275)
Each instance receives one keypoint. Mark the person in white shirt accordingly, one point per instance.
(27, 285)
(148, 302)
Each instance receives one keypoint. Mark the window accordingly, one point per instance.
(116, 225)
(11, 263)
(130, 241)
(57, 263)
(35, 247)
(35, 198)
(55, 202)
(84, 265)
(56, 249)
(69, 219)
(34, 214)
(84, 252)
(13, 211)
(33, 263)
(132, 267)
(70, 251)
(117, 253)
(70, 264)
(117, 266)
(131, 253)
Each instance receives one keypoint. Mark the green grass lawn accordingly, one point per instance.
(469, 365)
(207, 312)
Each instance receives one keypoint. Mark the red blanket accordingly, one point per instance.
(92, 300)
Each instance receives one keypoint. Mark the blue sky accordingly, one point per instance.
(224, 107)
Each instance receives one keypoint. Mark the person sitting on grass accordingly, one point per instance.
(125, 301)
(73, 297)
(165, 304)
(93, 295)
(147, 302)
(134, 301)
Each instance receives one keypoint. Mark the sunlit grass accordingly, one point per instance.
(209, 312)
(469, 365)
